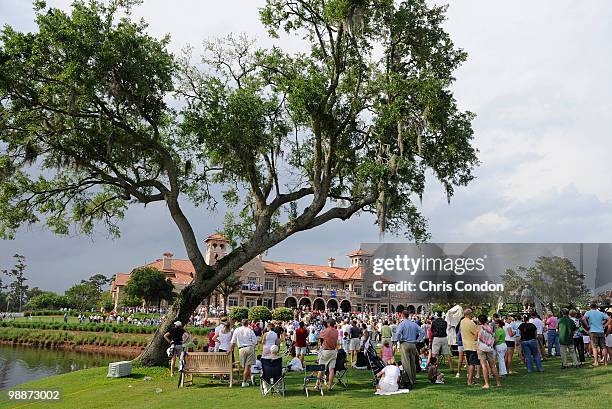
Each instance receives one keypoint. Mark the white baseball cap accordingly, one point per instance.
(178, 323)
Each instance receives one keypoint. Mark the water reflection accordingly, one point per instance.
(22, 364)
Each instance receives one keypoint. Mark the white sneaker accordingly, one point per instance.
(458, 375)
(440, 382)
(245, 384)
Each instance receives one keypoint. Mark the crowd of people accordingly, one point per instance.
(485, 346)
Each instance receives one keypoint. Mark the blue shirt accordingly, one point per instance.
(595, 318)
(515, 327)
(408, 331)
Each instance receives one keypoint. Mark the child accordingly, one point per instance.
(312, 339)
(295, 364)
(346, 341)
(587, 343)
(433, 374)
(389, 376)
(423, 358)
(386, 352)
(256, 369)
(211, 341)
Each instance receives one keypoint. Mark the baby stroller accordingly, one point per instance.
(289, 347)
(376, 363)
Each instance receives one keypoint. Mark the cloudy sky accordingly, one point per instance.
(538, 77)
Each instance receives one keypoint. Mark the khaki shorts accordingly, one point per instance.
(487, 356)
(355, 344)
(328, 357)
(246, 356)
(440, 346)
(598, 339)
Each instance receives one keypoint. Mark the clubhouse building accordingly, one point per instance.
(280, 283)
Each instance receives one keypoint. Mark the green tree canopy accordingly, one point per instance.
(555, 280)
(83, 297)
(150, 285)
(18, 288)
(98, 280)
(48, 300)
(291, 140)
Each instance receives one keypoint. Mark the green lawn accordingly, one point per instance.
(555, 388)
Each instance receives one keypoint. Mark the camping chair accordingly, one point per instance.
(340, 369)
(272, 378)
(309, 376)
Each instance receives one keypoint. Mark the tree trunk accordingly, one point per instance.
(187, 302)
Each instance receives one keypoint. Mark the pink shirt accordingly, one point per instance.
(552, 322)
(386, 353)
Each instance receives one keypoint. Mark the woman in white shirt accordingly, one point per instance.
(224, 337)
(389, 376)
(510, 341)
(269, 338)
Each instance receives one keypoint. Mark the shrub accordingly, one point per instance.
(282, 314)
(260, 313)
(239, 313)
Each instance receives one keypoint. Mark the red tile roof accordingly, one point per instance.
(215, 236)
(311, 271)
(181, 272)
(359, 252)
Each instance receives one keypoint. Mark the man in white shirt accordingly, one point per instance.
(539, 324)
(247, 341)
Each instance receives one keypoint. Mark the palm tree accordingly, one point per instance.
(227, 287)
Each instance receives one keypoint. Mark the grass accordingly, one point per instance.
(555, 388)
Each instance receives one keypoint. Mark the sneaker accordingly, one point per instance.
(458, 375)
(245, 384)
(440, 382)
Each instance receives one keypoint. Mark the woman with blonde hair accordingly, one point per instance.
(224, 337)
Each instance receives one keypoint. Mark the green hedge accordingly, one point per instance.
(60, 338)
(282, 314)
(75, 313)
(260, 313)
(93, 327)
(239, 313)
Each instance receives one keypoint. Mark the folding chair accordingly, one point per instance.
(309, 376)
(272, 378)
(340, 369)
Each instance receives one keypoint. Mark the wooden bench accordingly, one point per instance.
(207, 363)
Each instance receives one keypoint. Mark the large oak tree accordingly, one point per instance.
(291, 140)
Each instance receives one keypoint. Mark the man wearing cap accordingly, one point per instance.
(175, 336)
(246, 339)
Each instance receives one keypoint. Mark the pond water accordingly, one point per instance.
(22, 364)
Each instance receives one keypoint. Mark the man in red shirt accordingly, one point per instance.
(301, 334)
(328, 355)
